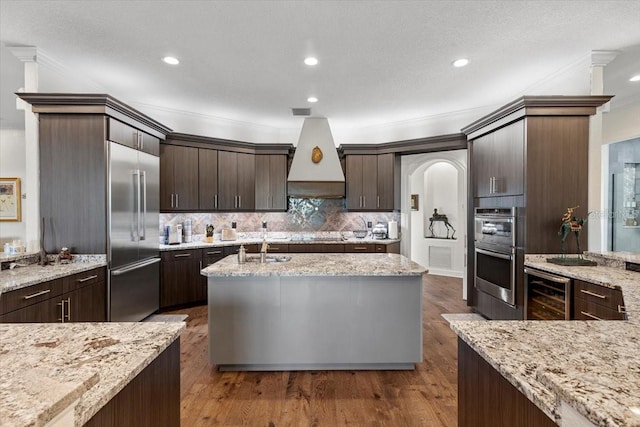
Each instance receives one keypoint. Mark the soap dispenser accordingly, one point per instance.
(242, 255)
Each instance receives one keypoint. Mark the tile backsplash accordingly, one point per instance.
(303, 215)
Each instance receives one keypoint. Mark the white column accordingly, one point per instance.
(597, 203)
(31, 186)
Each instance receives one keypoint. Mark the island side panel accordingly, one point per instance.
(339, 321)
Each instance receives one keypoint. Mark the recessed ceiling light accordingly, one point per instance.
(312, 99)
(171, 60)
(460, 62)
(635, 78)
(311, 61)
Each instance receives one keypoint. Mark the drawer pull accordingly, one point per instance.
(37, 294)
(214, 253)
(590, 315)
(87, 278)
(182, 255)
(593, 294)
(360, 248)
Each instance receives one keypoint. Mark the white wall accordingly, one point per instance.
(425, 175)
(12, 164)
(621, 124)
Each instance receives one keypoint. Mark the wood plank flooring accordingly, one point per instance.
(426, 396)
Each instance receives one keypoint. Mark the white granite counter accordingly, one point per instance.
(362, 264)
(282, 238)
(46, 367)
(593, 366)
(32, 274)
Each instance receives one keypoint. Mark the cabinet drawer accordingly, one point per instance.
(213, 252)
(588, 310)
(181, 255)
(596, 294)
(277, 247)
(381, 249)
(79, 280)
(30, 295)
(355, 247)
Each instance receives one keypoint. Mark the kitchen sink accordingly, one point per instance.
(269, 258)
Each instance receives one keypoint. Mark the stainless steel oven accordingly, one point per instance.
(495, 252)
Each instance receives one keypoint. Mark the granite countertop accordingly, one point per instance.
(32, 274)
(367, 264)
(593, 366)
(46, 367)
(277, 237)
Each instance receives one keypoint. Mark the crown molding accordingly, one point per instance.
(603, 57)
(24, 53)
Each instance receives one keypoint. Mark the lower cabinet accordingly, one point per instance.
(595, 302)
(180, 281)
(81, 297)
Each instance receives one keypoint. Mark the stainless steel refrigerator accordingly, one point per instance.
(133, 225)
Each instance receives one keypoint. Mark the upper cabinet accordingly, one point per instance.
(207, 179)
(371, 181)
(132, 137)
(178, 178)
(271, 182)
(498, 158)
(236, 181)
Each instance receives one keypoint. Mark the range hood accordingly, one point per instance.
(315, 171)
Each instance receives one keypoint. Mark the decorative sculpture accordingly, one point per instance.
(436, 217)
(571, 224)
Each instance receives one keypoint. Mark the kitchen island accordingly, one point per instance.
(570, 373)
(315, 311)
(90, 374)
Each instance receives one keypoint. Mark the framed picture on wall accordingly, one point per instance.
(414, 202)
(10, 197)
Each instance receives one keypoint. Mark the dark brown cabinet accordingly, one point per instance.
(207, 179)
(236, 181)
(180, 278)
(531, 155)
(271, 182)
(178, 178)
(595, 302)
(80, 297)
(371, 181)
(132, 137)
(498, 158)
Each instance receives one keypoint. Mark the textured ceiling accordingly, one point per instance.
(380, 61)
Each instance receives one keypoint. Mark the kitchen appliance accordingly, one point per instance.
(186, 229)
(380, 230)
(547, 296)
(175, 234)
(393, 229)
(495, 252)
(133, 223)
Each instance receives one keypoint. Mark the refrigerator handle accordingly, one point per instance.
(138, 173)
(134, 227)
(142, 230)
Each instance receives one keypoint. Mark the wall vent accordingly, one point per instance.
(301, 111)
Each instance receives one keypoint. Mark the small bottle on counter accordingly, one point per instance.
(242, 255)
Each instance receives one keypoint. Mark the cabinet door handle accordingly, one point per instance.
(360, 201)
(364, 201)
(172, 200)
(182, 255)
(621, 309)
(136, 140)
(37, 294)
(61, 318)
(215, 201)
(378, 201)
(87, 278)
(141, 140)
(68, 309)
(590, 315)
(177, 204)
(593, 294)
(200, 264)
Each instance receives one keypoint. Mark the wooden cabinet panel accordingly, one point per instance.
(271, 182)
(370, 181)
(180, 281)
(207, 179)
(47, 311)
(30, 295)
(498, 161)
(359, 247)
(278, 247)
(236, 181)
(584, 309)
(132, 137)
(79, 280)
(178, 178)
(595, 302)
(88, 303)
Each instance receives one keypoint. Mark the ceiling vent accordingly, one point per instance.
(301, 111)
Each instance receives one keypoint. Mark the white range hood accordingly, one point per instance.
(316, 171)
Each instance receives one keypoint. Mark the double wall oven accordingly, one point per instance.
(495, 252)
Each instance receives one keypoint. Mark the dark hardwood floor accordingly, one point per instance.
(426, 396)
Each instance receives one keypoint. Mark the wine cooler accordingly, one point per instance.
(547, 297)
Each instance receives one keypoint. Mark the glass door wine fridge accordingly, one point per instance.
(547, 296)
